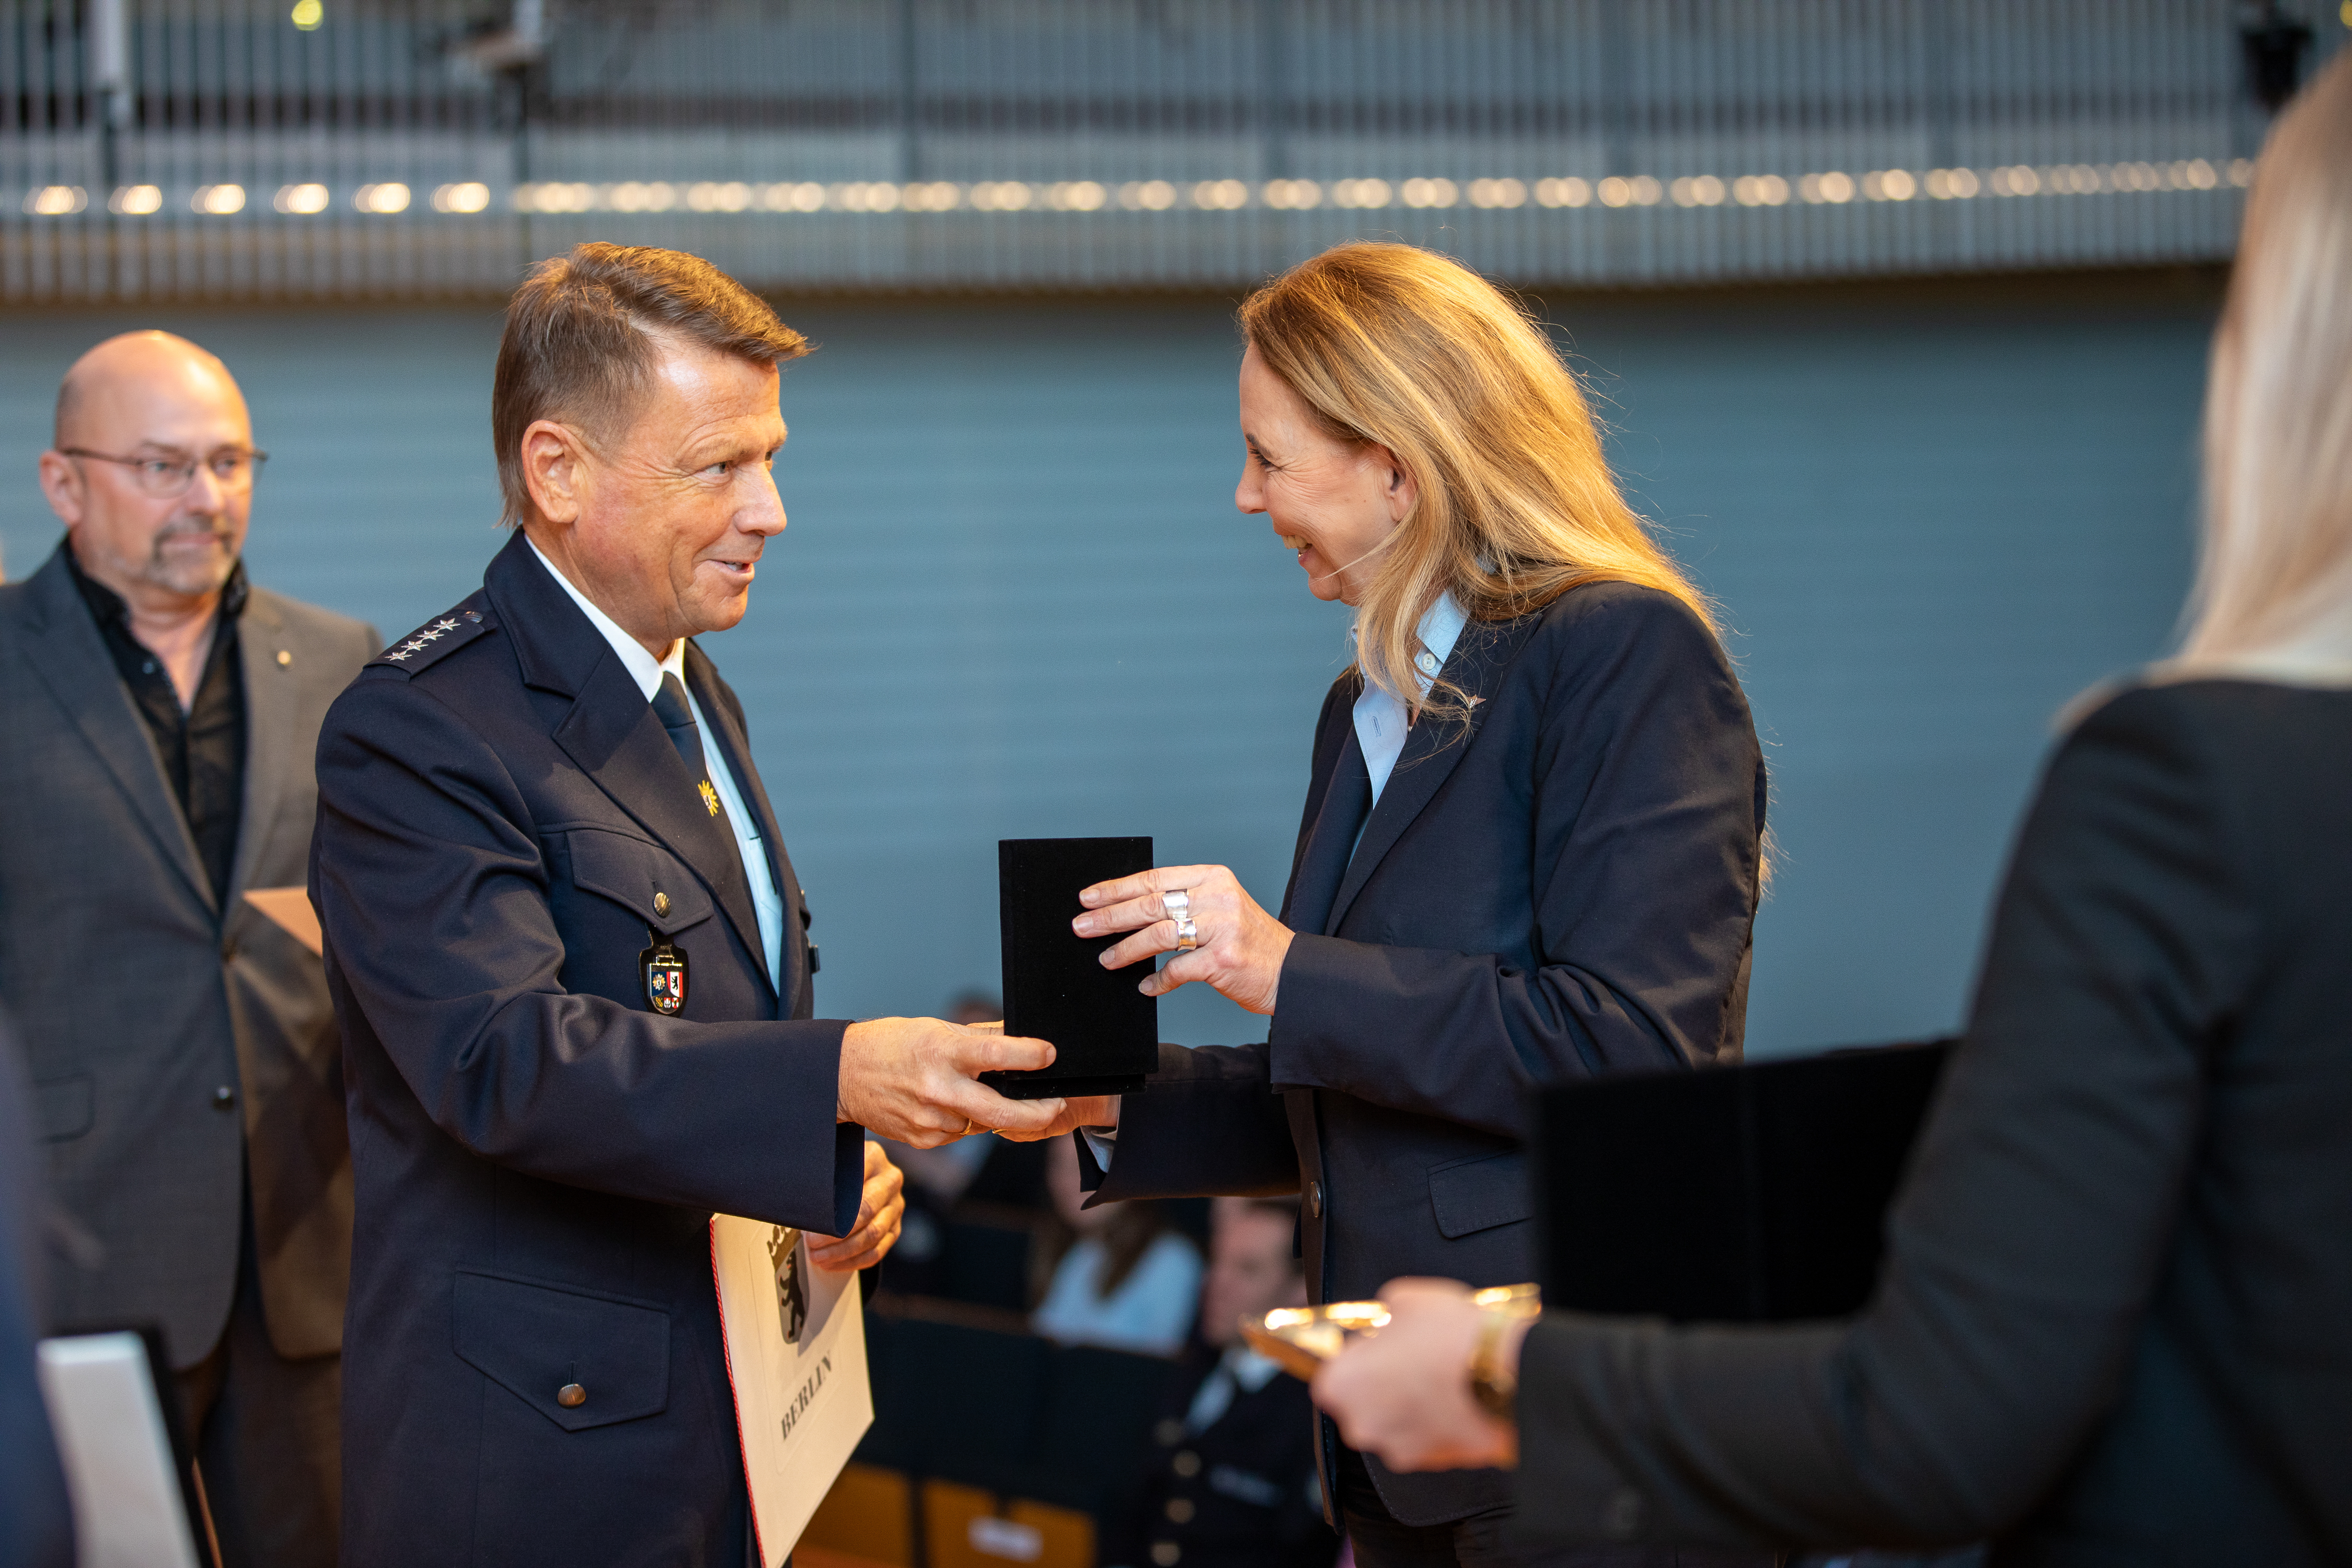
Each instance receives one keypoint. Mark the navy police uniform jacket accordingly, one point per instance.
(533, 1369)
(1239, 1492)
(1563, 888)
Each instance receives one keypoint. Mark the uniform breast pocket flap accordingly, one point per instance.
(580, 1360)
(1480, 1194)
(652, 883)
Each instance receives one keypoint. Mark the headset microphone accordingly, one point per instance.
(1389, 539)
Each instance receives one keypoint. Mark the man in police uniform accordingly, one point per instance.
(570, 961)
(1232, 1483)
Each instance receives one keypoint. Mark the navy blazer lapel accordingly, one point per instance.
(71, 658)
(269, 733)
(610, 731)
(1480, 657)
(735, 747)
(1323, 858)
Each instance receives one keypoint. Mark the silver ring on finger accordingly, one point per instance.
(1188, 935)
(1176, 904)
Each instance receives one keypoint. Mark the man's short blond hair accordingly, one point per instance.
(580, 343)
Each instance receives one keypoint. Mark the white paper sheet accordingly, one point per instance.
(796, 1357)
(127, 1507)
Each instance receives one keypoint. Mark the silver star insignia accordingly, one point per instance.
(444, 626)
(399, 654)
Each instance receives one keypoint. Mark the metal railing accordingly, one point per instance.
(352, 149)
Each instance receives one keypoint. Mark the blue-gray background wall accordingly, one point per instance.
(1015, 598)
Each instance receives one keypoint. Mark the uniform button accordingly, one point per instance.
(661, 903)
(284, 658)
(1180, 1510)
(224, 1097)
(572, 1396)
(1620, 1517)
(473, 615)
(1314, 1200)
(1186, 1464)
(1164, 1553)
(228, 951)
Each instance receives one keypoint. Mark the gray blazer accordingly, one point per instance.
(172, 1042)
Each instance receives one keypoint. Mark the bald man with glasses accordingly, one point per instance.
(162, 715)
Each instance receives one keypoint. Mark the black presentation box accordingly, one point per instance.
(1106, 1033)
(1745, 1194)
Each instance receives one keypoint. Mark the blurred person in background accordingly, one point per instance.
(2111, 1327)
(1532, 842)
(160, 714)
(1127, 1279)
(1232, 1478)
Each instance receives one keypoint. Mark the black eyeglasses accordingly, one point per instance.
(234, 467)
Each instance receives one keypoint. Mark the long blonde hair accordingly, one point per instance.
(2277, 554)
(1396, 346)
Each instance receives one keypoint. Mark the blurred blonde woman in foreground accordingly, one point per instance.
(2116, 1321)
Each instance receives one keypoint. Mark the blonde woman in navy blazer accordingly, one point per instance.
(1530, 849)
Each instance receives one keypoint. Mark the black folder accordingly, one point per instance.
(1752, 1194)
(1105, 1031)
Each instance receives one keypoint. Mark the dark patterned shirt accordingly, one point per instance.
(202, 749)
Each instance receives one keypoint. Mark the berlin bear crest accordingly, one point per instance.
(791, 1301)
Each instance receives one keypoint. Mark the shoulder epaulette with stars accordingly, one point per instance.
(437, 636)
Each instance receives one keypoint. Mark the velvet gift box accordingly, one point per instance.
(1105, 1031)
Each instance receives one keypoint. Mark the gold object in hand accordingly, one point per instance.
(1300, 1339)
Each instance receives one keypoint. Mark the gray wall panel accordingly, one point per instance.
(1015, 598)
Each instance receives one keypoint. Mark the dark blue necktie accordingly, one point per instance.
(670, 707)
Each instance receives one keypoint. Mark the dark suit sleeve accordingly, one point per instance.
(434, 895)
(1210, 1126)
(1643, 873)
(2025, 1246)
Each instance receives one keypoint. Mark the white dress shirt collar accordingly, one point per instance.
(643, 667)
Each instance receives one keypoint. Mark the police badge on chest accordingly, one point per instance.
(664, 966)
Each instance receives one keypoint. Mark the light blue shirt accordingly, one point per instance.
(1151, 1312)
(1380, 717)
(648, 672)
(1239, 1371)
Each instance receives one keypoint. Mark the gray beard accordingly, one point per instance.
(185, 578)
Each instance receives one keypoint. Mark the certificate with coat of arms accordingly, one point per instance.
(796, 1358)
